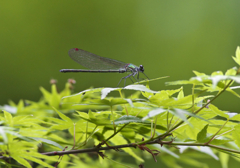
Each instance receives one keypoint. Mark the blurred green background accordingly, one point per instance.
(170, 38)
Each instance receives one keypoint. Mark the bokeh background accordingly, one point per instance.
(170, 38)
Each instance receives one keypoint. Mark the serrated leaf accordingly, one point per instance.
(202, 135)
(128, 119)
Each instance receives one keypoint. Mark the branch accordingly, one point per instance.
(134, 145)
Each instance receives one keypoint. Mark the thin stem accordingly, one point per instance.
(74, 135)
(151, 128)
(193, 97)
(133, 145)
(114, 127)
(124, 104)
(168, 126)
(114, 133)
(225, 133)
(155, 125)
(217, 132)
(197, 111)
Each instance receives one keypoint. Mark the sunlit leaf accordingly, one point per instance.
(8, 118)
(142, 88)
(237, 56)
(88, 91)
(64, 117)
(202, 135)
(224, 158)
(236, 135)
(21, 161)
(217, 111)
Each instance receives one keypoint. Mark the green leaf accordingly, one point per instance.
(64, 117)
(220, 141)
(55, 97)
(237, 58)
(46, 94)
(205, 149)
(231, 71)
(180, 114)
(236, 117)
(144, 81)
(8, 118)
(180, 94)
(202, 135)
(88, 91)
(224, 158)
(118, 140)
(236, 135)
(218, 112)
(48, 142)
(199, 73)
(21, 161)
(142, 88)
(66, 91)
(97, 119)
(129, 119)
(166, 150)
(37, 160)
(154, 112)
(184, 82)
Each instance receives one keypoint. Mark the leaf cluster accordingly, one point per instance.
(86, 129)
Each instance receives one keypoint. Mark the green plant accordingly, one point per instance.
(65, 130)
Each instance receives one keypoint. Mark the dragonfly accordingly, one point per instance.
(98, 64)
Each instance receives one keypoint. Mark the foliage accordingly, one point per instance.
(65, 130)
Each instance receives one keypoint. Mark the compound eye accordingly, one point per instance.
(141, 68)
